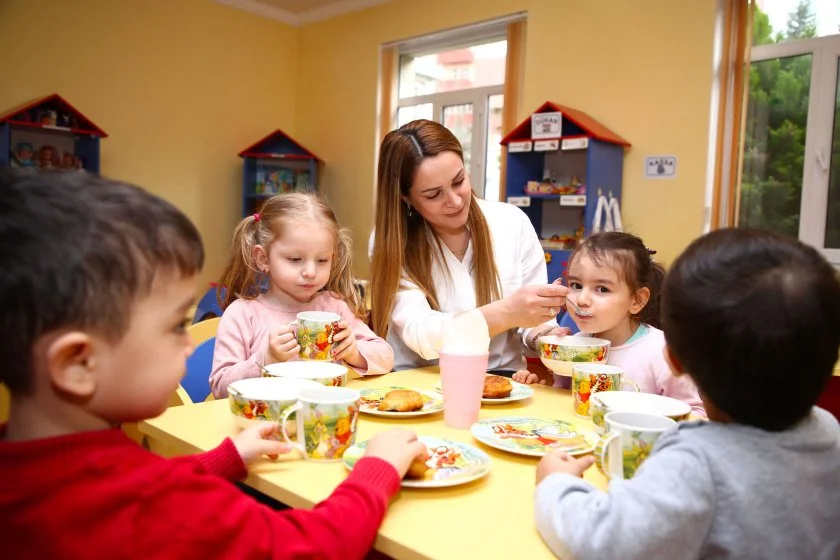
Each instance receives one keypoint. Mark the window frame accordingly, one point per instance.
(825, 58)
(479, 98)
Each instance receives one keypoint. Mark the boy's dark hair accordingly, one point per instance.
(77, 251)
(634, 263)
(754, 318)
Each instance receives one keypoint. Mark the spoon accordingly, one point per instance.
(578, 310)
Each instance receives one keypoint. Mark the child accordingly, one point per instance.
(296, 244)
(614, 294)
(97, 279)
(754, 319)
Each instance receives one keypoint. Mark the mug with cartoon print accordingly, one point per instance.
(315, 331)
(629, 440)
(326, 422)
(591, 378)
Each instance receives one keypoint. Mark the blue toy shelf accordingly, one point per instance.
(556, 177)
(276, 164)
(53, 133)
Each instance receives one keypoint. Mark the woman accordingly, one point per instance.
(438, 250)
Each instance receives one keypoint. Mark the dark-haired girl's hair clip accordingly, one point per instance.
(650, 251)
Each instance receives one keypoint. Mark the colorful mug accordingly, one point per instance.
(629, 441)
(588, 379)
(315, 331)
(326, 422)
(602, 404)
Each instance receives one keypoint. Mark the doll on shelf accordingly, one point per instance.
(46, 157)
(68, 160)
(23, 156)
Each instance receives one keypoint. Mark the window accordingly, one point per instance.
(791, 167)
(461, 87)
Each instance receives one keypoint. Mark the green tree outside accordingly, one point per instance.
(774, 150)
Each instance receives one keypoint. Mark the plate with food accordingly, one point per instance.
(446, 463)
(533, 436)
(399, 401)
(500, 390)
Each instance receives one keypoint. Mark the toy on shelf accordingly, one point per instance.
(49, 133)
(552, 171)
(24, 155)
(276, 164)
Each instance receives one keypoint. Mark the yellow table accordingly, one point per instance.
(489, 518)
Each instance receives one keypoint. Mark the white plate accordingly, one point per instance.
(533, 436)
(451, 463)
(432, 402)
(520, 391)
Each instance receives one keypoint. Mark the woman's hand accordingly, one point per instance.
(533, 305)
(344, 346)
(527, 307)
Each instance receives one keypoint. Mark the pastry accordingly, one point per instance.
(418, 466)
(401, 400)
(496, 387)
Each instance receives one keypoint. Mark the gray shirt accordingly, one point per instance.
(708, 490)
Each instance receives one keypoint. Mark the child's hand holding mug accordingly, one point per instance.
(282, 344)
(344, 346)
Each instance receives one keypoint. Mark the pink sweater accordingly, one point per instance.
(243, 333)
(643, 362)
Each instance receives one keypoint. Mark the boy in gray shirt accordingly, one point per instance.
(754, 319)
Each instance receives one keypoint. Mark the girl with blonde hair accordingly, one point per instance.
(295, 246)
(438, 250)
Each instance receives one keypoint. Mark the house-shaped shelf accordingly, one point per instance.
(555, 175)
(276, 164)
(53, 132)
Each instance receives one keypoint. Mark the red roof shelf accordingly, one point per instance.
(33, 113)
(279, 145)
(589, 126)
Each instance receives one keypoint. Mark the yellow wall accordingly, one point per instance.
(643, 68)
(180, 87)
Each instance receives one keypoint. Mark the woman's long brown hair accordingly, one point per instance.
(401, 244)
(242, 278)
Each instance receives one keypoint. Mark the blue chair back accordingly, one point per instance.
(565, 320)
(208, 305)
(197, 380)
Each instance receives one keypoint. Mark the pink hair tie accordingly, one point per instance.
(256, 217)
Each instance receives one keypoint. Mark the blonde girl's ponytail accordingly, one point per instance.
(241, 276)
(342, 281)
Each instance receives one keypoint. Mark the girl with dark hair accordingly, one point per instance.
(614, 290)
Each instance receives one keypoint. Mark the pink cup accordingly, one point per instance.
(462, 383)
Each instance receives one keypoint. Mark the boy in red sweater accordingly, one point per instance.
(97, 278)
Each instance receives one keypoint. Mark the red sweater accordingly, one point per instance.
(100, 495)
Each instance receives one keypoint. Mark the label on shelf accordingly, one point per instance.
(546, 145)
(575, 143)
(521, 201)
(524, 146)
(572, 200)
